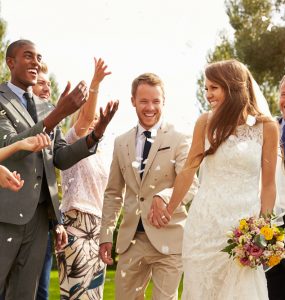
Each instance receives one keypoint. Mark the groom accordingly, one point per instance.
(276, 275)
(145, 163)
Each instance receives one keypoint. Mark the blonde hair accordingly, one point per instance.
(147, 78)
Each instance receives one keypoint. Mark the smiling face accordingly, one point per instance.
(24, 65)
(42, 88)
(282, 99)
(214, 94)
(148, 102)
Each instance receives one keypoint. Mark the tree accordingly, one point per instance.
(4, 72)
(257, 42)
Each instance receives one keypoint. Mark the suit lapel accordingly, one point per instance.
(15, 101)
(132, 153)
(154, 148)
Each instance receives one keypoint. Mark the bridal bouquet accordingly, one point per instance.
(255, 242)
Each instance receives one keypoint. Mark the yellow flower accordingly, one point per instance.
(267, 232)
(243, 224)
(280, 237)
(274, 260)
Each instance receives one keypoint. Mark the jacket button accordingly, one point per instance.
(142, 199)
(39, 177)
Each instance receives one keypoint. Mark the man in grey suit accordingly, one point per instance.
(24, 215)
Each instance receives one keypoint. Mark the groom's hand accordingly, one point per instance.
(105, 252)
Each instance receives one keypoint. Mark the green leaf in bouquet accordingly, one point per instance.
(228, 249)
(260, 241)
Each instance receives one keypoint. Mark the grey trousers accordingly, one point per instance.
(22, 252)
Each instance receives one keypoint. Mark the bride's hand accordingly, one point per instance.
(158, 215)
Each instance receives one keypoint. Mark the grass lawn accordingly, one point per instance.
(109, 287)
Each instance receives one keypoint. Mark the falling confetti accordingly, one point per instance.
(44, 129)
(165, 249)
(154, 132)
(150, 140)
(70, 180)
(118, 198)
(172, 161)
(157, 168)
(138, 158)
(123, 274)
(135, 164)
(21, 215)
(9, 240)
(4, 137)
(145, 161)
(2, 112)
(133, 242)
(152, 186)
(35, 186)
(17, 121)
(138, 289)
(138, 212)
(250, 120)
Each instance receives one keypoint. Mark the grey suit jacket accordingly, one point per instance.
(16, 124)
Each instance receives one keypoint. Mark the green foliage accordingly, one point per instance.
(257, 43)
(54, 89)
(4, 71)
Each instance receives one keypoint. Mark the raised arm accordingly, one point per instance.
(88, 111)
(269, 158)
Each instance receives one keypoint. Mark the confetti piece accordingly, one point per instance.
(173, 161)
(21, 215)
(139, 158)
(35, 186)
(150, 140)
(4, 137)
(9, 240)
(165, 249)
(138, 212)
(17, 121)
(133, 242)
(70, 180)
(118, 198)
(138, 289)
(44, 129)
(123, 274)
(250, 120)
(153, 132)
(135, 164)
(2, 112)
(157, 168)
(145, 161)
(152, 186)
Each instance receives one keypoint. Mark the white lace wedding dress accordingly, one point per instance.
(229, 191)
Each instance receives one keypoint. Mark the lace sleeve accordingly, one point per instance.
(71, 136)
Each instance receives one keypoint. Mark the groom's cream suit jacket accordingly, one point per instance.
(126, 190)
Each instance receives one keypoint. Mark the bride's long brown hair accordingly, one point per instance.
(237, 84)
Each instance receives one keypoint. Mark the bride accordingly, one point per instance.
(237, 144)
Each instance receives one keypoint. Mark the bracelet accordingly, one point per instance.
(95, 91)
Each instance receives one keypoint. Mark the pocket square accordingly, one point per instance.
(164, 148)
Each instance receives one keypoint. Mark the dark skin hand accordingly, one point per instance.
(104, 119)
(68, 103)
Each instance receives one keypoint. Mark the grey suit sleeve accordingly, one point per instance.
(66, 155)
(9, 135)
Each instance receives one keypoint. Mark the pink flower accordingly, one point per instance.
(237, 233)
(255, 251)
(244, 261)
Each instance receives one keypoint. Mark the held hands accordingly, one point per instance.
(159, 216)
(105, 118)
(35, 143)
(105, 252)
(99, 74)
(10, 180)
(61, 237)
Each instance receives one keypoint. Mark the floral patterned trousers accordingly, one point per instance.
(81, 271)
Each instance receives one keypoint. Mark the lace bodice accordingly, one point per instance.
(84, 183)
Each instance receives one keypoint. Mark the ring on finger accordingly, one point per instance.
(163, 217)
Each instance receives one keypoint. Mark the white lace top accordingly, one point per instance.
(83, 184)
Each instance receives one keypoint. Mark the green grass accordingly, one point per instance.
(109, 287)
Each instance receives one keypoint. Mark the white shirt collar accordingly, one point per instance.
(153, 129)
